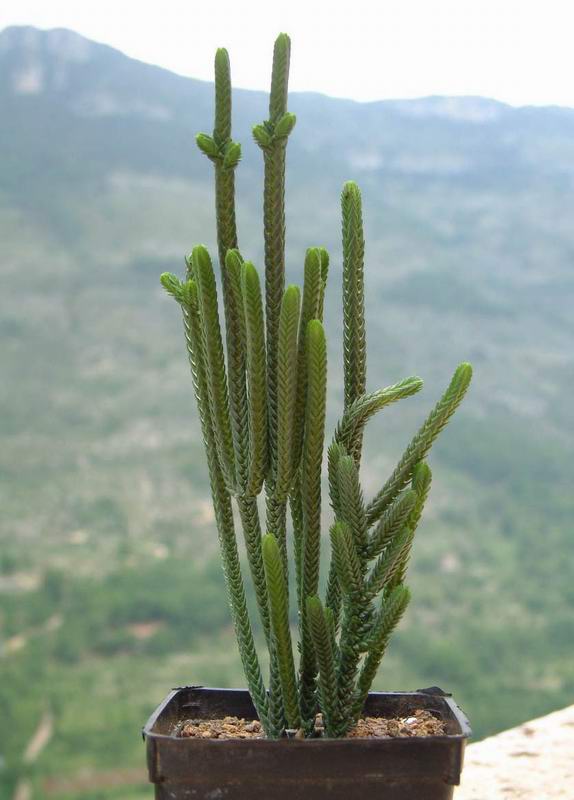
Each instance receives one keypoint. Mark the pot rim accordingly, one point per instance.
(455, 710)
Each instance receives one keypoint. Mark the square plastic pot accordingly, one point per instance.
(413, 768)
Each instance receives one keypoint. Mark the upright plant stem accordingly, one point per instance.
(225, 161)
(272, 138)
(314, 435)
(274, 217)
(230, 269)
(354, 338)
(223, 511)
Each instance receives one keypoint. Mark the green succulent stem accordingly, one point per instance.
(354, 336)
(259, 371)
(296, 506)
(286, 392)
(222, 503)
(392, 522)
(274, 148)
(215, 362)
(314, 435)
(393, 607)
(256, 379)
(322, 636)
(422, 441)
(279, 607)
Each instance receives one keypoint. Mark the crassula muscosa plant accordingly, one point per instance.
(260, 381)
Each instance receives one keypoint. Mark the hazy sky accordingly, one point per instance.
(519, 51)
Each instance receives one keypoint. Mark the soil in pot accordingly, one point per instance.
(420, 723)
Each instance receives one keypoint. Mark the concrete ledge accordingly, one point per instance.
(532, 762)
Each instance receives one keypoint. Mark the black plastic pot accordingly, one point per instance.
(425, 768)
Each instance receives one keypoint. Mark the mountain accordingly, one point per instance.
(108, 560)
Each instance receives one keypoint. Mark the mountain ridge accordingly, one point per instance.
(21, 37)
(113, 98)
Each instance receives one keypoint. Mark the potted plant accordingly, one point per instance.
(262, 411)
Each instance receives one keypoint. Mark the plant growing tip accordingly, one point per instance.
(222, 122)
(207, 146)
(351, 189)
(200, 258)
(172, 285)
(260, 380)
(231, 156)
(234, 260)
(279, 77)
(285, 125)
(262, 136)
(221, 60)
